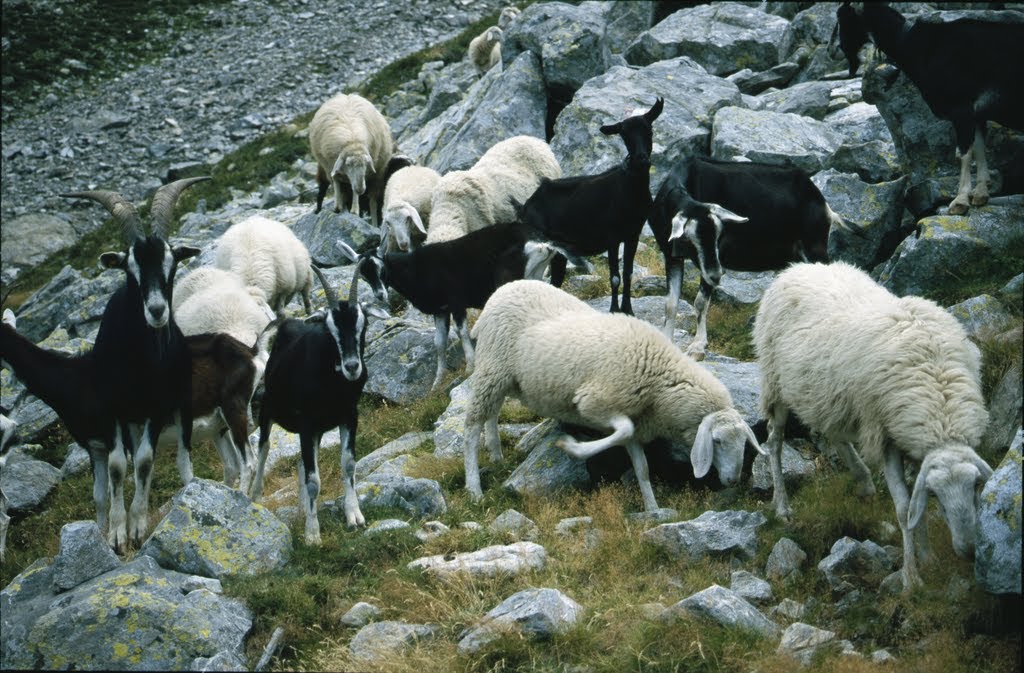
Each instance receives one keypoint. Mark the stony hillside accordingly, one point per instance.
(556, 569)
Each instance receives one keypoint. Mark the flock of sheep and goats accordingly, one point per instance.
(896, 377)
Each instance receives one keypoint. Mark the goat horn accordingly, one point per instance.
(121, 208)
(323, 281)
(163, 204)
(353, 290)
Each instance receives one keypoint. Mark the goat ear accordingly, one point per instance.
(347, 250)
(655, 111)
(611, 129)
(9, 318)
(726, 215)
(375, 311)
(919, 497)
(183, 252)
(113, 260)
(679, 223)
(703, 452)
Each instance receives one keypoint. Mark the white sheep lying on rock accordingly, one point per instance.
(568, 361)
(407, 208)
(267, 255)
(464, 201)
(352, 143)
(209, 299)
(895, 375)
(485, 50)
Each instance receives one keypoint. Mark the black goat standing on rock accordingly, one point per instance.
(588, 214)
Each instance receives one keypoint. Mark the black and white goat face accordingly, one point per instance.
(848, 36)
(636, 132)
(150, 264)
(347, 326)
(702, 227)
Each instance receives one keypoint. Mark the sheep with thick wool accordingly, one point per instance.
(485, 50)
(464, 201)
(895, 375)
(507, 16)
(407, 208)
(568, 361)
(209, 300)
(352, 144)
(267, 255)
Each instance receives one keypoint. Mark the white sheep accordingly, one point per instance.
(566, 360)
(485, 50)
(464, 201)
(351, 142)
(407, 207)
(209, 299)
(507, 16)
(268, 256)
(895, 375)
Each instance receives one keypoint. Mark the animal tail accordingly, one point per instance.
(845, 223)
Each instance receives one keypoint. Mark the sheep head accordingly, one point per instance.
(354, 168)
(399, 222)
(721, 441)
(955, 475)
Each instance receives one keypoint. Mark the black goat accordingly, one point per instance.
(444, 279)
(743, 216)
(589, 214)
(969, 71)
(313, 382)
(141, 353)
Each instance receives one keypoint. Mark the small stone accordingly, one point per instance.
(360, 614)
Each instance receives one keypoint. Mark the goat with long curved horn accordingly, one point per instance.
(122, 209)
(333, 299)
(163, 204)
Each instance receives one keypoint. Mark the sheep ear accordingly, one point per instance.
(347, 250)
(611, 129)
(113, 260)
(984, 471)
(339, 164)
(9, 318)
(703, 452)
(752, 438)
(919, 498)
(369, 163)
(417, 222)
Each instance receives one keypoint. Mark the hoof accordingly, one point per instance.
(958, 208)
(979, 199)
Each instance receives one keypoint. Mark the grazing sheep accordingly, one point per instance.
(507, 16)
(485, 50)
(566, 360)
(896, 375)
(464, 201)
(352, 143)
(267, 255)
(407, 208)
(210, 300)
(968, 71)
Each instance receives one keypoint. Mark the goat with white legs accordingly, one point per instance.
(897, 376)
(314, 378)
(141, 356)
(568, 361)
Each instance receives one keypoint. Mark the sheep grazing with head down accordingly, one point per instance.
(352, 144)
(209, 300)
(485, 50)
(568, 361)
(407, 208)
(895, 375)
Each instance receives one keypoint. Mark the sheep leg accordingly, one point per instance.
(979, 195)
(701, 304)
(674, 271)
(622, 430)
(860, 471)
(353, 515)
(493, 439)
(467, 341)
(309, 484)
(338, 198)
(138, 519)
(777, 426)
(901, 499)
(441, 325)
(117, 466)
(613, 276)
(639, 460)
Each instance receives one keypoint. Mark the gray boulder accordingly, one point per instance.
(803, 641)
(450, 426)
(222, 661)
(419, 498)
(876, 208)
(383, 639)
(321, 231)
(26, 481)
(360, 614)
(725, 36)
(386, 525)
(808, 99)
(69, 300)
(537, 614)
(512, 559)
(795, 469)
(997, 564)
(682, 129)
(785, 560)
(547, 468)
(750, 587)
(401, 359)
(716, 534)
(872, 161)
(624, 21)
(948, 243)
(1004, 412)
(138, 615)
(982, 316)
(83, 554)
(753, 83)
(859, 123)
(515, 525)
(216, 531)
(28, 240)
(773, 137)
(568, 39)
(405, 444)
(722, 606)
(851, 564)
(808, 29)
(743, 287)
(742, 380)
